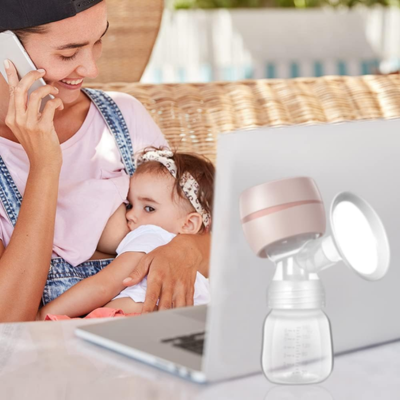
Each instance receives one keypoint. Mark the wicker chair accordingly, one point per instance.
(191, 115)
(134, 26)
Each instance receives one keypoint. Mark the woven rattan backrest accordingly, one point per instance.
(192, 115)
(134, 26)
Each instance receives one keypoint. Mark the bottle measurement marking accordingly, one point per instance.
(296, 342)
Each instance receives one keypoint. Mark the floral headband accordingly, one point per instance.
(188, 184)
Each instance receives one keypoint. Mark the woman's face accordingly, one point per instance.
(69, 50)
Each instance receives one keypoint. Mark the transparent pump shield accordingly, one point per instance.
(358, 239)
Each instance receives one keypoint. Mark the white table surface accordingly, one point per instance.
(44, 360)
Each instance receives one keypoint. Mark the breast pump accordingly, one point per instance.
(284, 221)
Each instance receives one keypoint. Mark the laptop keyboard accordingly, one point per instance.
(193, 342)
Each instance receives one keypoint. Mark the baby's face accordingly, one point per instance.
(151, 203)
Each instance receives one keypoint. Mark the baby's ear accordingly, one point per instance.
(191, 223)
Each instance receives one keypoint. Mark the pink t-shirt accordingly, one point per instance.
(93, 182)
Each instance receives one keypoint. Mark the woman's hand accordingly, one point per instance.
(34, 130)
(172, 271)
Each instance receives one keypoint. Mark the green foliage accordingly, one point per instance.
(298, 3)
(353, 3)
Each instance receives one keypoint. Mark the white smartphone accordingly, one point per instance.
(12, 49)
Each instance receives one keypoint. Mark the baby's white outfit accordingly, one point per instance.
(145, 239)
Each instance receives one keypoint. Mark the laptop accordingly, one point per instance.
(223, 340)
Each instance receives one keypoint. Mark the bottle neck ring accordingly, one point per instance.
(296, 294)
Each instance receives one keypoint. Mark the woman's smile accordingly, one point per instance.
(71, 84)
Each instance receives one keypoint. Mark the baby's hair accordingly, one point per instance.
(199, 166)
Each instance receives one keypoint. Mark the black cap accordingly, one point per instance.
(18, 14)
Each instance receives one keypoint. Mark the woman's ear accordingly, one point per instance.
(191, 223)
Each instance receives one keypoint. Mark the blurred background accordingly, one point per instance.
(227, 40)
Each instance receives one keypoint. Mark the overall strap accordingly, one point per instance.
(116, 124)
(9, 193)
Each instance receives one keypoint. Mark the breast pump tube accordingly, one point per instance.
(285, 221)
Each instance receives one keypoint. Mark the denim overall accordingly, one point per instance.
(63, 275)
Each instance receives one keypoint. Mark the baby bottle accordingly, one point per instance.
(297, 343)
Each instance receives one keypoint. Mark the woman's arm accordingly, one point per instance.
(95, 291)
(172, 271)
(24, 265)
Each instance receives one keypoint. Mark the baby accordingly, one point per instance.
(169, 194)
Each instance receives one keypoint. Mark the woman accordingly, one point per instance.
(68, 170)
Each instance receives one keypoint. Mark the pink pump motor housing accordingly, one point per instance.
(276, 211)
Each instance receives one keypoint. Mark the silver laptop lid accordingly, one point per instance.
(361, 157)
